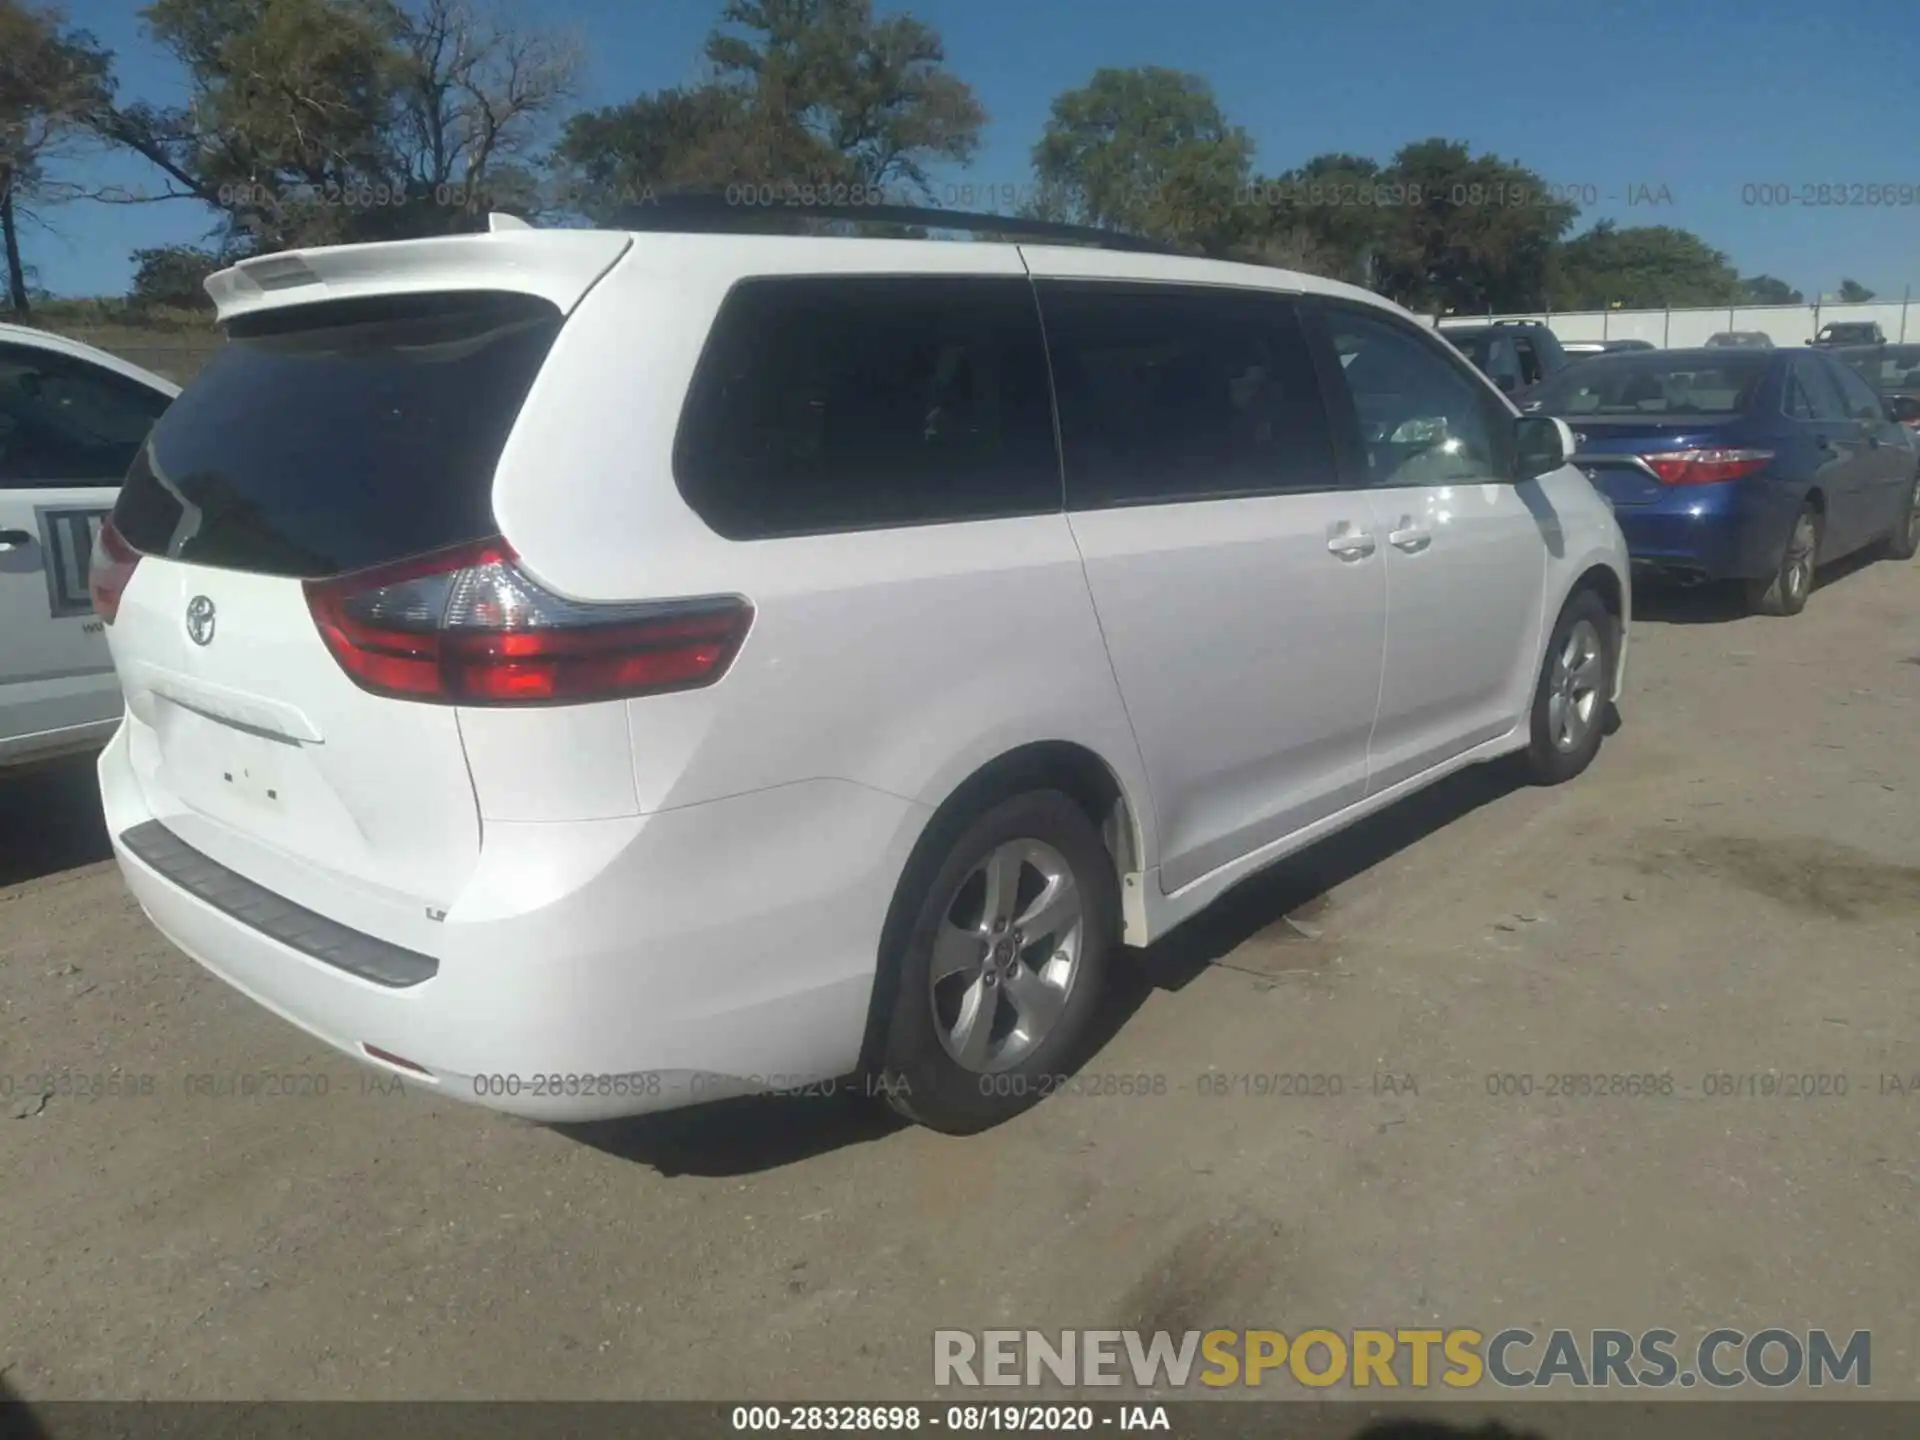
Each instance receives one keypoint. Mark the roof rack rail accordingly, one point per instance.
(719, 212)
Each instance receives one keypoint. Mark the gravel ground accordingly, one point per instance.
(1734, 887)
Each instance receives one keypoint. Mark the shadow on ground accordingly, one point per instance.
(1718, 604)
(50, 820)
(753, 1134)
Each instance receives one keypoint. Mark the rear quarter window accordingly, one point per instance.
(849, 403)
(327, 438)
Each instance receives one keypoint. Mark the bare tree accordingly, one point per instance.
(51, 80)
(475, 98)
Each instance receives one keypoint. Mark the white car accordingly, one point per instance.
(71, 420)
(591, 672)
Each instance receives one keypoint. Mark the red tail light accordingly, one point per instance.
(110, 570)
(1707, 467)
(467, 626)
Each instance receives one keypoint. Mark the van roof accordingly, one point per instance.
(562, 265)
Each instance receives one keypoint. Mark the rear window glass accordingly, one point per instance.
(326, 438)
(1654, 383)
(849, 403)
(1890, 368)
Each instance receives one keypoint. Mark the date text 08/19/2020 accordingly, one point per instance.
(962, 1419)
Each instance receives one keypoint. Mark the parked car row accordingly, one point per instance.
(1738, 461)
(1741, 464)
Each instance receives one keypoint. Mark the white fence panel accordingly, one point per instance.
(1675, 329)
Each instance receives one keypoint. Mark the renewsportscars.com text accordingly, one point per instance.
(1458, 1358)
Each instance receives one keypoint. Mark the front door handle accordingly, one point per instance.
(1409, 537)
(1351, 544)
(14, 540)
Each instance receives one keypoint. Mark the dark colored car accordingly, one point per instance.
(1740, 340)
(1851, 332)
(1515, 355)
(1894, 372)
(1740, 465)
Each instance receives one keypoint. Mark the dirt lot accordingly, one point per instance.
(1734, 888)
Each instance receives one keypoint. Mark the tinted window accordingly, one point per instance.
(1659, 382)
(65, 421)
(1529, 360)
(325, 438)
(1180, 394)
(1887, 368)
(1814, 389)
(851, 403)
(1421, 420)
(1858, 397)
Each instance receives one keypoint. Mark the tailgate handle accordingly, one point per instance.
(274, 719)
(14, 540)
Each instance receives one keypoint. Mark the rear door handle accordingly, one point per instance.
(1351, 544)
(1409, 537)
(14, 540)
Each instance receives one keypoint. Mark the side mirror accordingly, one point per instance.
(1541, 444)
(1904, 408)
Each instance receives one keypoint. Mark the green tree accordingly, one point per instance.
(1642, 266)
(875, 93)
(172, 277)
(1148, 151)
(1766, 290)
(315, 122)
(52, 80)
(1466, 232)
(1854, 293)
(803, 93)
(1328, 216)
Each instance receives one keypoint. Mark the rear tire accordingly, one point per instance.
(1571, 701)
(1003, 966)
(1904, 542)
(1785, 592)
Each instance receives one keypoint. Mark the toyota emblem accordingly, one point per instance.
(200, 620)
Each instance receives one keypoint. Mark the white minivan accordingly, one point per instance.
(591, 672)
(71, 420)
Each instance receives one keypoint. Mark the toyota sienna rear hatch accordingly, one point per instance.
(323, 439)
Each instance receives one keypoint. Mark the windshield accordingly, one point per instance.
(1653, 383)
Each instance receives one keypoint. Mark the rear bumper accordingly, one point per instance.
(604, 968)
(1734, 531)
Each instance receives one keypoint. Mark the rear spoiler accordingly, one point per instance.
(559, 266)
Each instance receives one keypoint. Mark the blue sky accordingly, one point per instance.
(1619, 98)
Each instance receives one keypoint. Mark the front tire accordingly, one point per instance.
(1785, 592)
(1571, 699)
(1003, 967)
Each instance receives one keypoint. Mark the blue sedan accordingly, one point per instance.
(1750, 466)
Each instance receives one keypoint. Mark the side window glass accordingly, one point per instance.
(64, 421)
(1821, 391)
(1503, 363)
(1799, 404)
(1421, 421)
(1529, 360)
(837, 403)
(1858, 396)
(1169, 394)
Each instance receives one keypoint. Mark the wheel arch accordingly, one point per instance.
(1074, 770)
